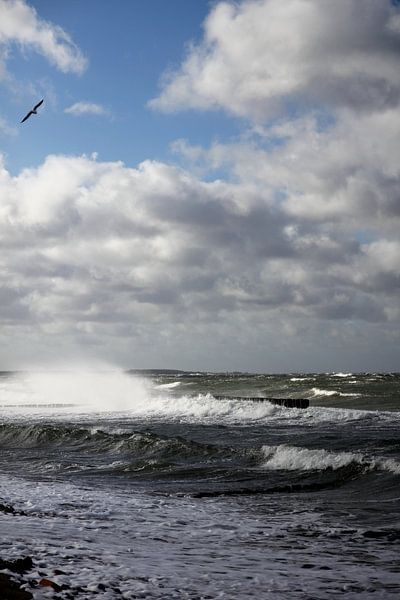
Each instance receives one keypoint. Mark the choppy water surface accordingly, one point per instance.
(148, 485)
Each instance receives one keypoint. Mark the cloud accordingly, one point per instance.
(20, 24)
(261, 58)
(289, 262)
(104, 254)
(86, 108)
(346, 173)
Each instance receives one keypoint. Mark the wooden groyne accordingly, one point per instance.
(286, 402)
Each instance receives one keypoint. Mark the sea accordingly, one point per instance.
(143, 484)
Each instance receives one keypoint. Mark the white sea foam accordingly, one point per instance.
(342, 374)
(167, 386)
(320, 392)
(203, 408)
(114, 537)
(318, 414)
(292, 458)
(388, 464)
(80, 393)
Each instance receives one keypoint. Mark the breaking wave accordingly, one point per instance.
(151, 448)
(293, 458)
(317, 392)
(168, 386)
(342, 374)
(82, 396)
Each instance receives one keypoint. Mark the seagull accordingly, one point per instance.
(33, 111)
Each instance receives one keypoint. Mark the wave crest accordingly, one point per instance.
(293, 458)
(320, 392)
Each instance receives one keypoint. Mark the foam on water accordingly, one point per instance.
(342, 374)
(170, 547)
(292, 458)
(320, 392)
(104, 392)
(156, 494)
(203, 408)
(168, 386)
(388, 464)
(107, 393)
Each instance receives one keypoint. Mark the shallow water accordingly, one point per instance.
(148, 485)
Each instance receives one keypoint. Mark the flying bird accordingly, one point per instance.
(33, 111)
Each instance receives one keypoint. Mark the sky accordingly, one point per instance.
(207, 185)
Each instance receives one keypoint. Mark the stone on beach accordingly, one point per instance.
(20, 565)
(10, 590)
(48, 583)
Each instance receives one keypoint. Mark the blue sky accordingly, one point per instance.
(129, 45)
(208, 185)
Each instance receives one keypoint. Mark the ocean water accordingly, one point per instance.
(144, 485)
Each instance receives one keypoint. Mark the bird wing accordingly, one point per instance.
(27, 116)
(38, 104)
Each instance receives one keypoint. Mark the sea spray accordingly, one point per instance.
(86, 390)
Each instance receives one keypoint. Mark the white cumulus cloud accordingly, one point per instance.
(261, 57)
(21, 25)
(103, 254)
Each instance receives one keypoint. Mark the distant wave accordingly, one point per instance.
(320, 392)
(342, 375)
(167, 386)
(80, 396)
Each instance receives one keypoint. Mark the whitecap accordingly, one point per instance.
(342, 374)
(388, 464)
(319, 392)
(292, 458)
(168, 386)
